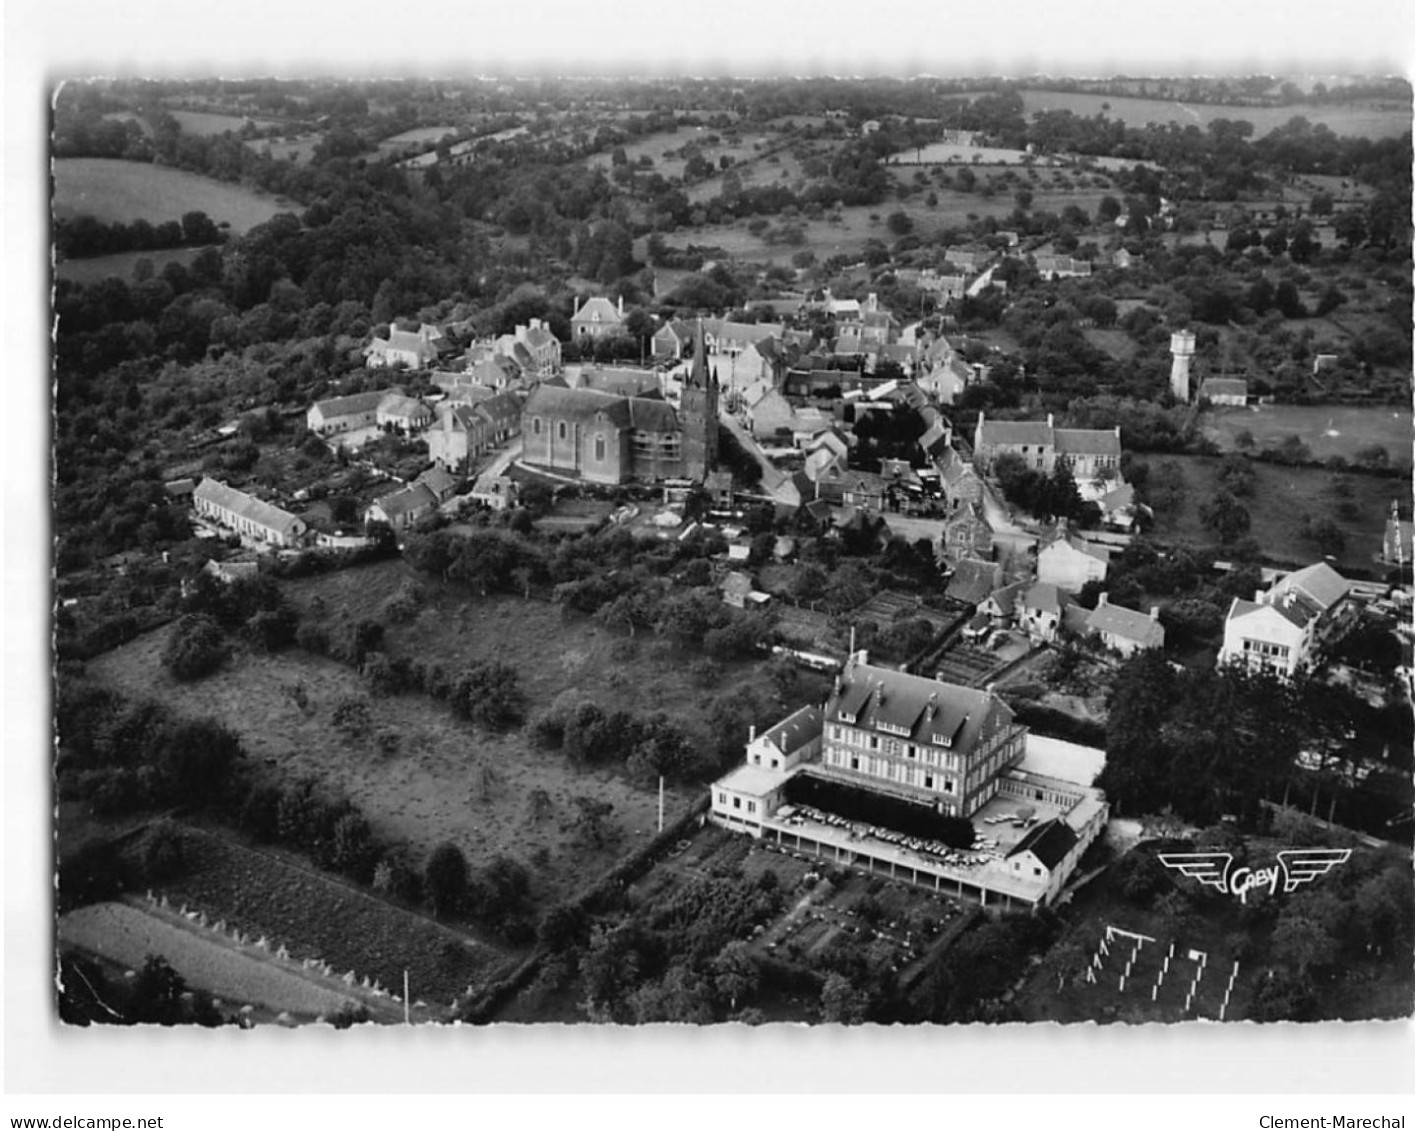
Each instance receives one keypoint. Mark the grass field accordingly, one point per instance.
(209, 125)
(447, 781)
(121, 265)
(123, 191)
(1356, 121)
(1281, 495)
(1329, 430)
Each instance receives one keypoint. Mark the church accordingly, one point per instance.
(610, 438)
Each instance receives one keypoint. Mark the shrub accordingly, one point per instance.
(196, 647)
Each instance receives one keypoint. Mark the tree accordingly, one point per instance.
(446, 879)
(735, 973)
(195, 648)
(1226, 517)
(841, 1002)
(899, 223)
(1235, 473)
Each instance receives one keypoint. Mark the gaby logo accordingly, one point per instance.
(1294, 867)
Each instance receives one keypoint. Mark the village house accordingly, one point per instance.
(671, 340)
(1288, 628)
(1062, 267)
(403, 508)
(1001, 603)
(247, 515)
(467, 430)
(1225, 391)
(619, 380)
(973, 581)
(1091, 453)
(1125, 630)
(795, 739)
(1040, 608)
(960, 482)
(533, 347)
(497, 372)
(1043, 854)
(1069, 562)
(408, 414)
(597, 318)
(967, 534)
(440, 482)
(346, 414)
(405, 349)
(947, 379)
(739, 592)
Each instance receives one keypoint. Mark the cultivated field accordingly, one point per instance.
(1281, 495)
(321, 918)
(1357, 121)
(1329, 430)
(127, 934)
(123, 191)
(120, 266)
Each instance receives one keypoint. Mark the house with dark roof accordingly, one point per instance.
(918, 738)
(1289, 627)
(1001, 603)
(403, 508)
(533, 347)
(972, 581)
(442, 483)
(1047, 854)
(672, 340)
(1124, 630)
(795, 739)
(247, 515)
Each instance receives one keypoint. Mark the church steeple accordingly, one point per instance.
(698, 416)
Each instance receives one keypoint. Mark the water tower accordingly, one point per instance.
(1181, 345)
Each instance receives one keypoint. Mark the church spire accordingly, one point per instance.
(698, 376)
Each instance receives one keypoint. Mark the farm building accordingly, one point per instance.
(403, 507)
(346, 414)
(405, 349)
(246, 514)
(1225, 391)
(1069, 562)
(1039, 444)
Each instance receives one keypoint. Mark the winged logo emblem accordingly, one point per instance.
(1294, 867)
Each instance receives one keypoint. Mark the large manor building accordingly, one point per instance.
(1039, 444)
(925, 750)
(606, 437)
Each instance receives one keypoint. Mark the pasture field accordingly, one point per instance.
(1329, 430)
(204, 124)
(1355, 121)
(100, 267)
(946, 152)
(446, 781)
(848, 235)
(417, 136)
(1281, 496)
(322, 918)
(115, 191)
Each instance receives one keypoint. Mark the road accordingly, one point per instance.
(774, 483)
(491, 473)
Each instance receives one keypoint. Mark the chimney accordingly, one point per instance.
(621, 306)
(1103, 601)
(1258, 596)
(752, 733)
(1049, 424)
(577, 306)
(1154, 612)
